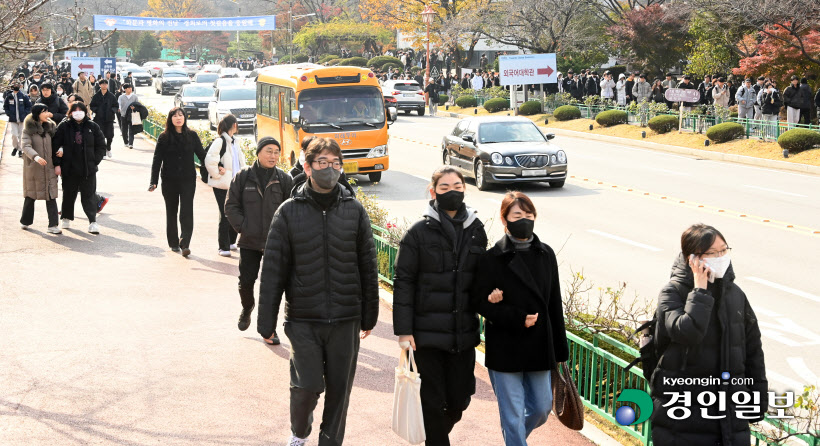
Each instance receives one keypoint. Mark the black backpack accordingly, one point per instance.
(203, 171)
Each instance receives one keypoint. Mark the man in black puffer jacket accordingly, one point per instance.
(320, 253)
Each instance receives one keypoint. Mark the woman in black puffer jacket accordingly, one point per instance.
(431, 302)
(706, 327)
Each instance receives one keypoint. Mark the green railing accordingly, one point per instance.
(152, 128)
(385, 254)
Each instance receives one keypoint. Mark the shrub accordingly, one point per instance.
(610, 118)
(297, 58)
(733, 114)
(725, 132)
(663, 123)
(333, 62)
(354, 62)
(378, 61)
(389, 66)
(442, 99)
(797, 140)
(566, 113)
(529, 108)
(469, 101)
(496, 105)
(327, 57)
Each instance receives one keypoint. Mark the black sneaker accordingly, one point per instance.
(273, 340)
(245, 318)
(175, 248)
(14, 152)
(186, 252)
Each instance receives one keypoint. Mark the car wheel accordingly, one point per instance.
(557, 184)
(481, 176)
(375, 177)
(421, 111)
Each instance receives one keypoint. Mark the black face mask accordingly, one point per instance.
(521, 229)
(15, 88)
(450, 200)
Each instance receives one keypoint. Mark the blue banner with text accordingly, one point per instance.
(124, 23)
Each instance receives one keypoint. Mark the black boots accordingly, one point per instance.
(248, 304)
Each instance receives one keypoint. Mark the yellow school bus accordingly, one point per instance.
(343, 103)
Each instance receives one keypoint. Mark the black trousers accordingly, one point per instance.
(805, 116)
(322, 359)
(179, 195)
(28, 212)
(447, 386)
(249, 262)
(108, 130)
(226, 235)
(127, 131)
(87, 188)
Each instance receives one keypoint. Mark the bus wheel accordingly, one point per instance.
(375, 177)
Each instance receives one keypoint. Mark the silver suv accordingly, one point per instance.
(408, 95)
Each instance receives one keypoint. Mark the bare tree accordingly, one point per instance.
(613, 10)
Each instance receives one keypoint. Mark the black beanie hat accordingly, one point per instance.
(36, 110)
(265, 141)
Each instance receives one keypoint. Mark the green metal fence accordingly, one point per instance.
(152, 128)
(386, 254)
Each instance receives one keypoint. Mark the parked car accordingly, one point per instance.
(504, 150)
(228, 82)
(190, 66)
(211, 68)
(243, 74)
(154, 66)
(228, 72)
(124, 67)
(170, 79)
(408, 94)
(140, 75)
(194, 99)
(239, 101)
(205, 78)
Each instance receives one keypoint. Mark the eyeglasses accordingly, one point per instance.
(323, 164)
(716, 253)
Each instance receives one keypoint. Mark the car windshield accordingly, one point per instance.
(340, 107)
(495, 132)
(239, 94)
(189, 63)
(229, 71)
(407, 86)
(210, 78)
(137, 70)
(226, 81)
(174, 74)
(200, 91)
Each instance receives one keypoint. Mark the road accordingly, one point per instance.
(620, 216)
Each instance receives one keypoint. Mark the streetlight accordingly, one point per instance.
(427, 16)
(290, 29)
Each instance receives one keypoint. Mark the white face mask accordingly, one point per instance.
(78, 115)
(718, 265)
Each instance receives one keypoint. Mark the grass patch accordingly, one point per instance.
(610, 429)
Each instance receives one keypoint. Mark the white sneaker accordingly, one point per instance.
(234, 247)
(224, 253)
(94, 228)
(24, 226)
(66, 223)
(54, 230)
(108, 155)
(296, 441)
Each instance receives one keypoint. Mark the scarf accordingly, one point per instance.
(235, 154)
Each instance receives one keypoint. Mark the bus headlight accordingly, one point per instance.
(377, 151)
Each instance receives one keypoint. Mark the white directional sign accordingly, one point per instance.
(86, 64)
(523, 69)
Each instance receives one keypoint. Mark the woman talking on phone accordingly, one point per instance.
(706, 327)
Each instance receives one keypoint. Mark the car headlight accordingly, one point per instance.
(553, 159)
(377, 151)
(562, 157)
(189, 104)
(496, 158)
(508, 160)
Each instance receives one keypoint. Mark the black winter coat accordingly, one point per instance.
(143, 112)
(797, 97)
(250, 205)
(510, 346)
(105, 107)
(78, 162)
(701, 335)
(324, 262)
(174, 156)
(56, 106)
(772, 103)
(431, 287)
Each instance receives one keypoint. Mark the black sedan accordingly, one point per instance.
(504, 150)
(194, 99)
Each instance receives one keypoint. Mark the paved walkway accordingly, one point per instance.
(113, 339)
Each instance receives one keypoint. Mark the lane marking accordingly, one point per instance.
(766, 312)
(775, 191)
(790, 383)
(624, 240)
(799, 366)
(785, 288)
(776, 335)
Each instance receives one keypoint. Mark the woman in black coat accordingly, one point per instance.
(174, 158)
(517, 290)
(706, 327)
(78, 148)
(432, 313)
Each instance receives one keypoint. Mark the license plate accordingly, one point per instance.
(246, 116)
(534, 173)
(351, 167)
(409, 95)
(202, 109)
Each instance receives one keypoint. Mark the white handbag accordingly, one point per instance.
(408, 421)
(135, 118)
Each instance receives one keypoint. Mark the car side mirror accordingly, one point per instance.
(468, 138)
(550, 136)
(393, 114)
(295, 115)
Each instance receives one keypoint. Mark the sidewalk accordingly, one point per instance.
(113, 339)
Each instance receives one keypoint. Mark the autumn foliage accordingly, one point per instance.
(778, 53)
(656, 37)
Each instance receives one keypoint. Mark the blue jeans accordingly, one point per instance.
(524, 403)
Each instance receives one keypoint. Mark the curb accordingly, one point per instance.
(4, 125)
(697, 153)
(589, 431)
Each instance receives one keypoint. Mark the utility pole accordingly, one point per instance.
(290, 29)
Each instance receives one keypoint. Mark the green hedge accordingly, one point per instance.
(496, 105)
(389, 66)
(566, 113)
(663, 123)
(328, 57)
(725, 132)
(334, 62)
(610, 118)
(354, 62)
(378, 61)
(798, 140)
(297, 58)
(529, 108)
(468, 101)
(442, 99)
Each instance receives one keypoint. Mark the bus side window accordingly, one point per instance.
(289, 104)
(261, 99)
(274, 102)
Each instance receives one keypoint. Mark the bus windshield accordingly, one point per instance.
(342, 108)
